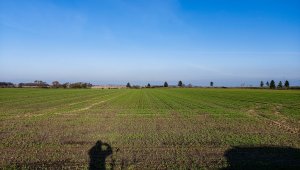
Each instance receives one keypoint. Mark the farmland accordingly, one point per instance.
(172, 128)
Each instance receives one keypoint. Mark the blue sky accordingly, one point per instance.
(229, 42)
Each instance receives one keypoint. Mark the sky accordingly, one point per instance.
(229, 42)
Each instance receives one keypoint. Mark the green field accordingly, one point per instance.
(179, 128)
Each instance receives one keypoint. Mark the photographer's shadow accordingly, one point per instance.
(98, 154)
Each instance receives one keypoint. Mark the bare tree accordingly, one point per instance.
(55, 84)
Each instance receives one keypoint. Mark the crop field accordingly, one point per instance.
(172, 128)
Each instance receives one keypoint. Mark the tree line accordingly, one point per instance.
(57, 84)
(42, 84)
(165, 84)
(272, 84)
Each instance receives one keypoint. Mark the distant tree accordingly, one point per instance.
(40, 83)
(287, 84)
(6, 84)
(65, 85)
(279, 85)
(180, 84)
(148, 85)
(20, 85)
(211, 84)
(77, 85)
(166, 84)
(128, 85)
(261, 84)
(84, 85)
(272, 84)
(267, 84)
(55, 84)
(190, 85)
(89, 85)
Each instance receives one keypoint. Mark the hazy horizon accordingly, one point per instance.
(117, 41)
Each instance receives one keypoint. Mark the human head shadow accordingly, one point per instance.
(98, 154)
(267, 157)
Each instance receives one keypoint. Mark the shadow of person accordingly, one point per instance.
(98, 153)
(263, 158)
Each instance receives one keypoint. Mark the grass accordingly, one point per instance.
(146, 128)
